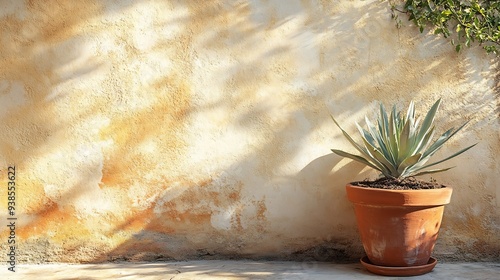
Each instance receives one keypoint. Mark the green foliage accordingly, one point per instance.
(399, 146)
(461, 20)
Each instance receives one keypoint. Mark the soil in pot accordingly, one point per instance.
(408, 183)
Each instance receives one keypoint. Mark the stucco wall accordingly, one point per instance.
(182, 129)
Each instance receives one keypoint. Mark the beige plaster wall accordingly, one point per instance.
(147, 130)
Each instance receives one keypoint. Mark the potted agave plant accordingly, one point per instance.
(399, 216)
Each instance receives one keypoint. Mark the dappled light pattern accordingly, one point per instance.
(154, 130)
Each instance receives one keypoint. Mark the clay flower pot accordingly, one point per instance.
(398, 228)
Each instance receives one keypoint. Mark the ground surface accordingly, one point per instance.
(238, 270)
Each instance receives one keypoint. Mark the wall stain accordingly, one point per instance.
(163, 122)
(60, 19)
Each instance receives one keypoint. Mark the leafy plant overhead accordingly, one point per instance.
(399, 146)
(464, 21)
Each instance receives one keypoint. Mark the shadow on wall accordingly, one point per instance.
(252, 208)
(43, 69)
(230, 215)
(44, 59)
(31, 74)
(180, 224)
(478, 74)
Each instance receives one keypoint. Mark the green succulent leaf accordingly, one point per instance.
(442, 139)
(427, 124)
(356, 158)
(380, 158)
(399, 146)
(404, 143)
(432, 171)
(367, 156)
(408, 162)
(449, 157)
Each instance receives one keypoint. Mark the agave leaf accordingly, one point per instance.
(360, 148)
(442, 139)
(400, 145)
(429, 117)
(401, 124)
(410, 114)
(432, 171)
(425, 142)
(365, 134)
(417, 122)
(385, 123)
(394, 147)
(408, 162)
(392, 121)
(414, 131)
(411, 132)
(356, 158)
(417, 166)
(381, 158)
(421, 164)
(376, 134)
(404, 145)
(450, 157)
(428, 120)
(400, 121)
(434, 147)
(385, 139)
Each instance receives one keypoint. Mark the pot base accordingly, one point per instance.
(398, 271)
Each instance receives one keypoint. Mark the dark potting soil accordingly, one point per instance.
(409, 183)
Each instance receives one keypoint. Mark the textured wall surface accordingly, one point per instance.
(147, 130)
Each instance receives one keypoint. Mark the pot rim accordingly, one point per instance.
(384, 197)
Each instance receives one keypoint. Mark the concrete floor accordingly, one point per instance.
(239, 270)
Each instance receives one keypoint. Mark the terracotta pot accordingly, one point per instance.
(398, 228)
